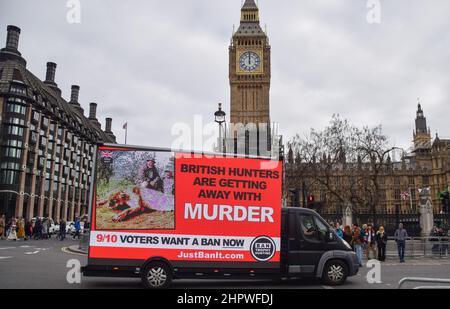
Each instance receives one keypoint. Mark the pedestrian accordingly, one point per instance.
(13, 230)
(435, 238)
(400, 237)
(339, 231)
(44, 228)
(28, 229)
(2, 227)
(370, 241)
(357, 241)
(21, 229)
(363, 238)
(62, 229)
(37, 229)
(381, 239)
(347, 235)
(77, 226)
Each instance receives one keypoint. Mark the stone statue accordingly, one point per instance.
(347, 218)
(426, 211)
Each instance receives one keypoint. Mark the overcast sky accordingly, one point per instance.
(156, 62)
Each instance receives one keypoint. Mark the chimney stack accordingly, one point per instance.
(108, 125)
(11, 52)
(12, 38)
(51, 72)
(74, 94)
(93, 111)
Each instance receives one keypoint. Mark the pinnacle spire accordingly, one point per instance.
(250, 12)
(250, 4)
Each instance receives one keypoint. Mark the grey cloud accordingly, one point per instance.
(153, 63)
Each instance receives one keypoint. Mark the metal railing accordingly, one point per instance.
(434, 247)
(425, 280)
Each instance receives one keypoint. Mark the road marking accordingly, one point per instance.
(5, 257)
(66, 250)
(7, 248)
(34, 252)
(327, 287)
(27, 246)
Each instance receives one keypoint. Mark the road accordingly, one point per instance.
(42, 264)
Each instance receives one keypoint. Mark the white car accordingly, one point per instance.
(70, 227)
(53, 228)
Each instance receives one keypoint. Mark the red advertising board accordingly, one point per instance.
(184, 207)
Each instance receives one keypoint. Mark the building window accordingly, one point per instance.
(12, 152)
(16, 108)
(45, 121)
(10, 166)
(14, 130)
(9, 177)
(14, 143)
(425, 180)
(18, 89)
(36, 116)
(16, 121)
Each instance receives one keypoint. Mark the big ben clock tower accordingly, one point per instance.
(250, 72)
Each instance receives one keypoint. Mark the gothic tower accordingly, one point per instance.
(422, 135)
(249, 72)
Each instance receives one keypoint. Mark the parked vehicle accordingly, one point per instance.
(221, 219)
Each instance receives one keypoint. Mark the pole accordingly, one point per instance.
(220, 138)
(410, 199)
(126, 134)
(304, 194)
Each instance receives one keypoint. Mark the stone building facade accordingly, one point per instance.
(46, 142)
(427, 165)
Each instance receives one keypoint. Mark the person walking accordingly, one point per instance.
(381, 239)
(339, 231)
(77, 226)
(2, 226)
(370, 241)
(347, 235)
(400, 237)
(13, 230)
(44, 228)
(62, 229)
(357, 241)
(364, 238)
(37, 229)
(21, 229)
(28, 229)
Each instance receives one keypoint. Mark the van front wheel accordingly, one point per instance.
(156, 275)
(335, 272)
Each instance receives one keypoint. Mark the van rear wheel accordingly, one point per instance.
(335, 272)
(156, 275)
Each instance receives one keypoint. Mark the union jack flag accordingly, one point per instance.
(106, 154)
(405, 195)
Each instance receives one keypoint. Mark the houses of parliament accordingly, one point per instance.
(426, 166)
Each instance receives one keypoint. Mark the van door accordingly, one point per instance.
(305, 245)
(312, 244)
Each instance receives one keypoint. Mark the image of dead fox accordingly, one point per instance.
(151, 193)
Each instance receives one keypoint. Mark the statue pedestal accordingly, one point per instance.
(426, 212)
(347, 218)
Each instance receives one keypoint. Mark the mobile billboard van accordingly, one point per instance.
(162, 215)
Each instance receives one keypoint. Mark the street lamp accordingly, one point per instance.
(220, 118)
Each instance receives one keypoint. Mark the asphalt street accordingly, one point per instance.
(42, 264)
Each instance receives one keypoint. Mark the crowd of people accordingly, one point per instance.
(16, 229)
(369, 241)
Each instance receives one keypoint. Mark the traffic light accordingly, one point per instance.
(311, 199)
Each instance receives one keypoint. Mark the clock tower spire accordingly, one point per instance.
(250, 72)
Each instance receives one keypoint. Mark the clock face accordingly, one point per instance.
(249, 61)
